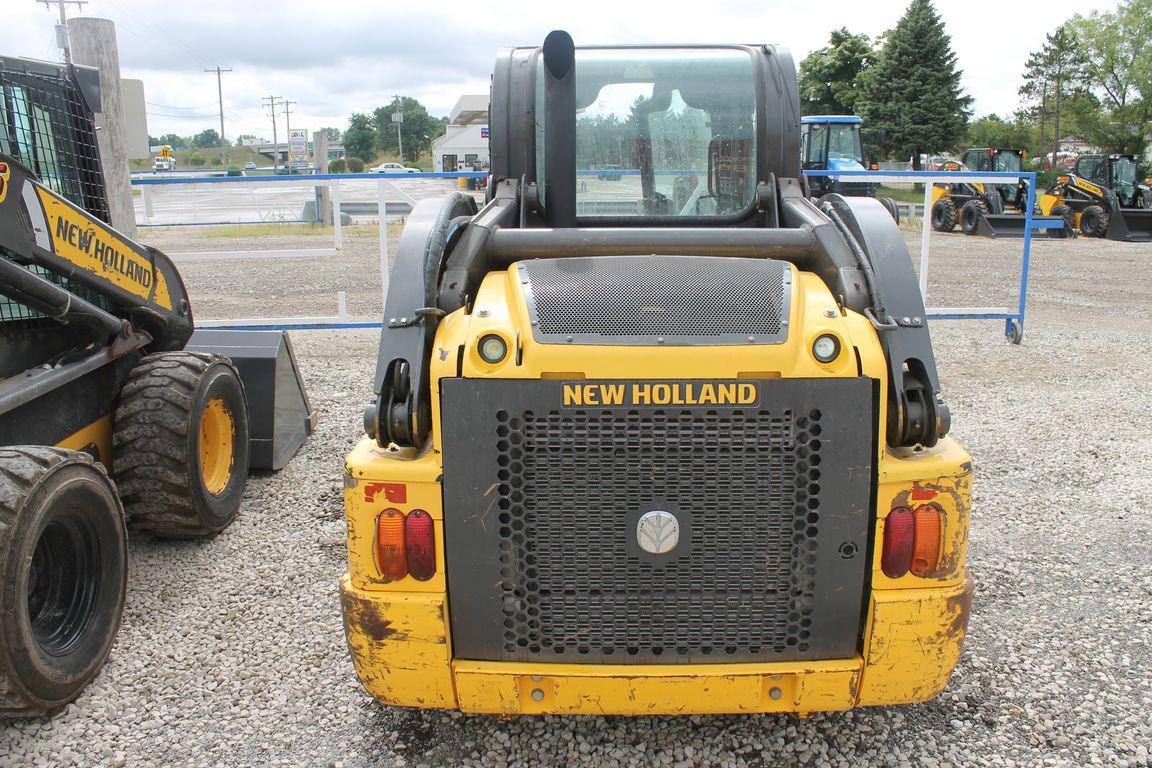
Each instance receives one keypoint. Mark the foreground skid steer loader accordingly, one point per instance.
(672, 443)
(106, 416)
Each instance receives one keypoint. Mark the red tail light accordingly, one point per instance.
(928, 524)
(390, 548)
(899, 535)
(421, 545)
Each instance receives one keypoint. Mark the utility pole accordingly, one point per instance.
(62, 27)
(220, 94)
(288, 128)
(398, 118)
(275, 143)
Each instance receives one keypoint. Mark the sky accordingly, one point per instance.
(354, 56)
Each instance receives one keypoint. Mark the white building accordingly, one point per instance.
(464, 147)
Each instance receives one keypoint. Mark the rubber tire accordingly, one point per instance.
(970, 215)
(944, 215)
(1093, 221)
(156, 445)
(890, 205)
(1067, 214)
(1015, 332)
(68, 495)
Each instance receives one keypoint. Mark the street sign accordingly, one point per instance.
(298, 147)
(397, 117)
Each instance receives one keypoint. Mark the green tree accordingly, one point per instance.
(173, 140)
(1117, 68)
(417, 131)
(991, 131)
(1050, 77)
(912, 92)
(829, 78)
(240, 139)
(360, 138)
(206, 139)
(333, 133)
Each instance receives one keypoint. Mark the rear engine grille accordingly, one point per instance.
(543, 557)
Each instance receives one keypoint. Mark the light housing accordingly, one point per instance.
(928, 535)
(420, 545)
(899, 537)
(391, 550)
(826, 348)
(492, 348)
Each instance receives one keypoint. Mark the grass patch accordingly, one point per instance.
(901, 195)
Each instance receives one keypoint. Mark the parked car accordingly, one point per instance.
(393, 168)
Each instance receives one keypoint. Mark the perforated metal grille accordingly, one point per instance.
(743, 587)
(658, 299)
(542, 505)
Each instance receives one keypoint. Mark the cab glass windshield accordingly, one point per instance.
(665, 133)
(821, 142)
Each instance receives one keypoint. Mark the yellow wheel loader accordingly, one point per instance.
(109, 416)
(635, 454)
(1101, 198)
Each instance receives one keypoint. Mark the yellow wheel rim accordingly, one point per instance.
(217, 435)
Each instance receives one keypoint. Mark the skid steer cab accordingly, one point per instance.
(1101, 197)
(668, 443)
(110, 415)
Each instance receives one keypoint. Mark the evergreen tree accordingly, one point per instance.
(912, 92)
(829, 79)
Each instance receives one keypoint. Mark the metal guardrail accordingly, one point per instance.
(1013, 318)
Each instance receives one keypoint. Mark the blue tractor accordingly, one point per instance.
(833, 143)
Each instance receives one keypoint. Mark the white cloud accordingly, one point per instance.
(352, 57)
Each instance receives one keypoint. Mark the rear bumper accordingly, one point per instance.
(401, 648)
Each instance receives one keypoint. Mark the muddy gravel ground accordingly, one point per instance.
(232, 651)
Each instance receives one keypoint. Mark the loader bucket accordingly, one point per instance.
(1133, 225)
(279, 414)
(1012, 225)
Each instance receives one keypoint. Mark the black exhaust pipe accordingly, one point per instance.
(560, 129)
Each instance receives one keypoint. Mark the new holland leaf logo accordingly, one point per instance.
(657, 532)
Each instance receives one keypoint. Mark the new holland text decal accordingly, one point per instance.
(5, 174)
(89, 246)
(651, 393)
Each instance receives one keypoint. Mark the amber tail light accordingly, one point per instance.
(391, 554)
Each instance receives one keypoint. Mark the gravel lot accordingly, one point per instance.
(232, 651)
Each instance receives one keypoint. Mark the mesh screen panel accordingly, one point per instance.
(563, 597)
(45, 124)
(639, 299)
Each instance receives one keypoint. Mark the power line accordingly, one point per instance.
(62, 29)
(134, 15)
(275, 142)
(288, 127)
(220, 94)
(170, 106)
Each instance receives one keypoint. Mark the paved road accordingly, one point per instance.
(255, 199)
